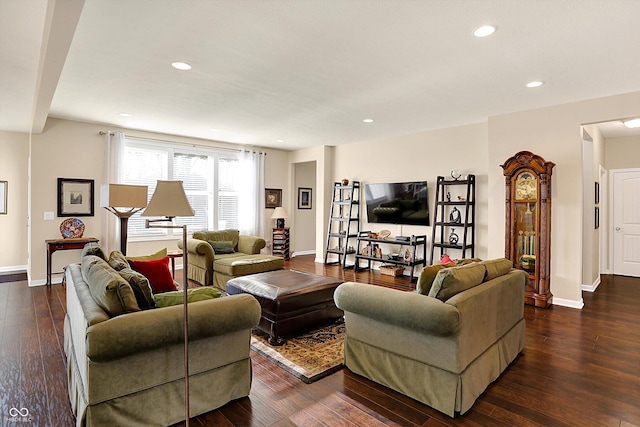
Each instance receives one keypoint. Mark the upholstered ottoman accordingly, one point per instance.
(225, 269)
(290, 300)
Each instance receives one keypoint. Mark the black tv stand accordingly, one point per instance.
(410, 257)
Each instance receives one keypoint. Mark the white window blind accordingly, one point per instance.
(208, 175)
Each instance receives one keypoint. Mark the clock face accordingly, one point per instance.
(526, 186)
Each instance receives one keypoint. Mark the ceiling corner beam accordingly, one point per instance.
(61, 21)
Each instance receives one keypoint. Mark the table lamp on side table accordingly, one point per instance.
(280, 214)
(169, 201)
(123, 201)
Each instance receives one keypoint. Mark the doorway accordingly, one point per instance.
(625, 236)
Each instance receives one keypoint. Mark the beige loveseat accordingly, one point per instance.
(237, 255)
(127, 370)
(443, 347)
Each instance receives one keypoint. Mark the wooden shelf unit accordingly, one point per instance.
(280, 245)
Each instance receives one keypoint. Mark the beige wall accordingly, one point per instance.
(622, 153)
(74, 150)
(70, 149)
(555, 134)
(303, 241)
(418, 157)
(14, 161)
(323, 158)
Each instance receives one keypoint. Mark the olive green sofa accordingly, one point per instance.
(127, 369)
(210, 267)
(443, 347)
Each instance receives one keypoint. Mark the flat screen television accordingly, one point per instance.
(398, 203)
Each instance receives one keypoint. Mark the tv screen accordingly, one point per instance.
(398, 203)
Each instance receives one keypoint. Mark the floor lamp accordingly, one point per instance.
(123, 201)
(170, 201)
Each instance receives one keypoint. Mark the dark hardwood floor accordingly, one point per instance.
(579, 368)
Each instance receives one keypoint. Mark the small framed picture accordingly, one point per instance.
(597, 193)
(3, 197)
(272, 198)
(597, 218)
(75, 197)
(304, 198)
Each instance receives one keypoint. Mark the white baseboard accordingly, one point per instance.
(569, 303)
(14, 269)
(300, 253)
(43, 282)
(592, 287)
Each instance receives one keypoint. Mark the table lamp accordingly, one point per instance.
(279, 215)
(169, 201)
(123, 201)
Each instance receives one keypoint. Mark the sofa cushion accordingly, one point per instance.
(247, 264)
(222, 246)
(427, 275)
(117, 261)
(140, 286)
(157, 255)
(158, 273)
(93, 248)
(109, 290)
(496, 268)
(453, 280)
(166, 299)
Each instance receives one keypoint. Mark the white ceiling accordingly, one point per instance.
(306, 71)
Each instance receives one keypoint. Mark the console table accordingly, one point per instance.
(54, 245)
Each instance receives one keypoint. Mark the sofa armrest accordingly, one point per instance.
(150, 329)
(199, 249)
(407, 310)
(250, 245)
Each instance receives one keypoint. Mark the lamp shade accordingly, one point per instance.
(169, 200)
(123, 196)
(279, 213)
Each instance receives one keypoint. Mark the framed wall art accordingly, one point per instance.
(304, 198)
(3, 197)
(272, 198)
(75, 197)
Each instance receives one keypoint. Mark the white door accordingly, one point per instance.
(626, 222)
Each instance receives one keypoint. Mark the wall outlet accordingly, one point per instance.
(268, 244)
(48, 216)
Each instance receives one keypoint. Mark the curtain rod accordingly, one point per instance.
(187, 144)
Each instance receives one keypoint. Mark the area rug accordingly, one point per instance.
(312, 355)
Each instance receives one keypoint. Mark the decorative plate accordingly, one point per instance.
(71, 227)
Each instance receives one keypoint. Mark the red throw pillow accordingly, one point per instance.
(158, 273)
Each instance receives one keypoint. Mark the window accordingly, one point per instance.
(208, 175)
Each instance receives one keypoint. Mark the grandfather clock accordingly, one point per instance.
(528, 222)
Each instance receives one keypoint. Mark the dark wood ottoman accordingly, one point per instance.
(290, 300)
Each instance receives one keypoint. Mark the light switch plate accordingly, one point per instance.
(48, 216)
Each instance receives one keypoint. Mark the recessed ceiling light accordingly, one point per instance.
(632, 124)
(485, 31)
(535, 84)
(181, 66)
(368, 120)
(279, 140)
(214, 130)
(124, 114)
